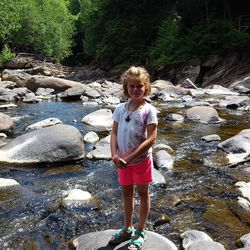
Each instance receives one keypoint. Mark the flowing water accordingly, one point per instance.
(196, 196)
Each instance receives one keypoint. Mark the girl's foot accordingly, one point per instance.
(137, 240)
(121, 236)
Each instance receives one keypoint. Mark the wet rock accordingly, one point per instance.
(102, 150)
(76, 198)
(44, 123)
(158, 218)
(91, 137)
(161, 146)
(198, 240)
(99, 240)
(203, 114)
(6, 123)
(210, 138)
(101, 118)
(59, 143)
(237, 147)
(163, 159)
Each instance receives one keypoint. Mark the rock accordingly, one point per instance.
(161, 146)
(6, 123)
(219, 90)
(210, 138)
(203, 114)
(198, 240)
(7, 183)
(158, 218)
(237, 147)
(175, 117)
(59, 143)
(190, 237)
(45, 91)
(44, 123)
(91, 137)
(8, 84)
(7, 95)
(58, 84)
(245, 239)
(244, 188)
(73, 93)
(161, 84)
(76, 198)
(99, 240)
(163, 159)
(17, 76)
(8, 106)
(233, 102)
(101, 118)
(102, 150)
(158, 178)
(30, 98)
(92, 93)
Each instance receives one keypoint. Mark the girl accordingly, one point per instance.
(134, 132)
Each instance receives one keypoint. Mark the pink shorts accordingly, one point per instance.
(140, 173)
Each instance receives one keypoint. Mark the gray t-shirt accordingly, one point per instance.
(131, 134)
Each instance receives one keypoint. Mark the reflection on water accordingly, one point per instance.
(198, 195)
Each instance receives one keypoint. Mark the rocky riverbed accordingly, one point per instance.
(201, 178)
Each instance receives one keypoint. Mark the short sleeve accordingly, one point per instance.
(152, 116)
(116, 114)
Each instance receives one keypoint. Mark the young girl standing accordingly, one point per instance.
(134, 132)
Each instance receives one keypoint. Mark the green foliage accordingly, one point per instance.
(6, 55)
(204, 39)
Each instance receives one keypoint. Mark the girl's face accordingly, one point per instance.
(136, 90)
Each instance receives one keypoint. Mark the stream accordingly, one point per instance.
(198, 194)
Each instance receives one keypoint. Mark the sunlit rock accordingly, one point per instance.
(219, 90)
(210, 138)
(175, 117)
(198, 240)
(76, 197)
(6, 123)
(101, 118)
(91, 137)
(158, 178)
(163, 159)
(245, 239)
(237, 147)
(244, 188)
(7, 182)
(162, 146)
(99, 240)
(233, 102)
(102, 150)
(203, 114)
(59, 143)
(45, 123)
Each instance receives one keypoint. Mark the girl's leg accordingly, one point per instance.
(144, 207)
(128, 204)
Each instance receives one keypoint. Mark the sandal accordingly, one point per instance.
(137, 240)
(121, 236)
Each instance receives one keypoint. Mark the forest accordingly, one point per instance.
(121, 32)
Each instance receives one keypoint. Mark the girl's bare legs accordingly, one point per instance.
(128, 204)
(144, 207)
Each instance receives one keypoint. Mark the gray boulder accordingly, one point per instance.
(203, 114)
(59, 143)
(99, 240)
(6, 123)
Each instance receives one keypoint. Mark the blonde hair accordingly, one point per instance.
(136, 74)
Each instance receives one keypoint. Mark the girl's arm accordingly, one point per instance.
(151, 138)
(120, 163)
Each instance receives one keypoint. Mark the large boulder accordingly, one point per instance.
(58, 84)
(99, 240)
(203, 114)
(59, 143)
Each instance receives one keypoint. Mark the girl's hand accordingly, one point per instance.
(119, 162)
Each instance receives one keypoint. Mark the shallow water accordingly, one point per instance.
(197, 195)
